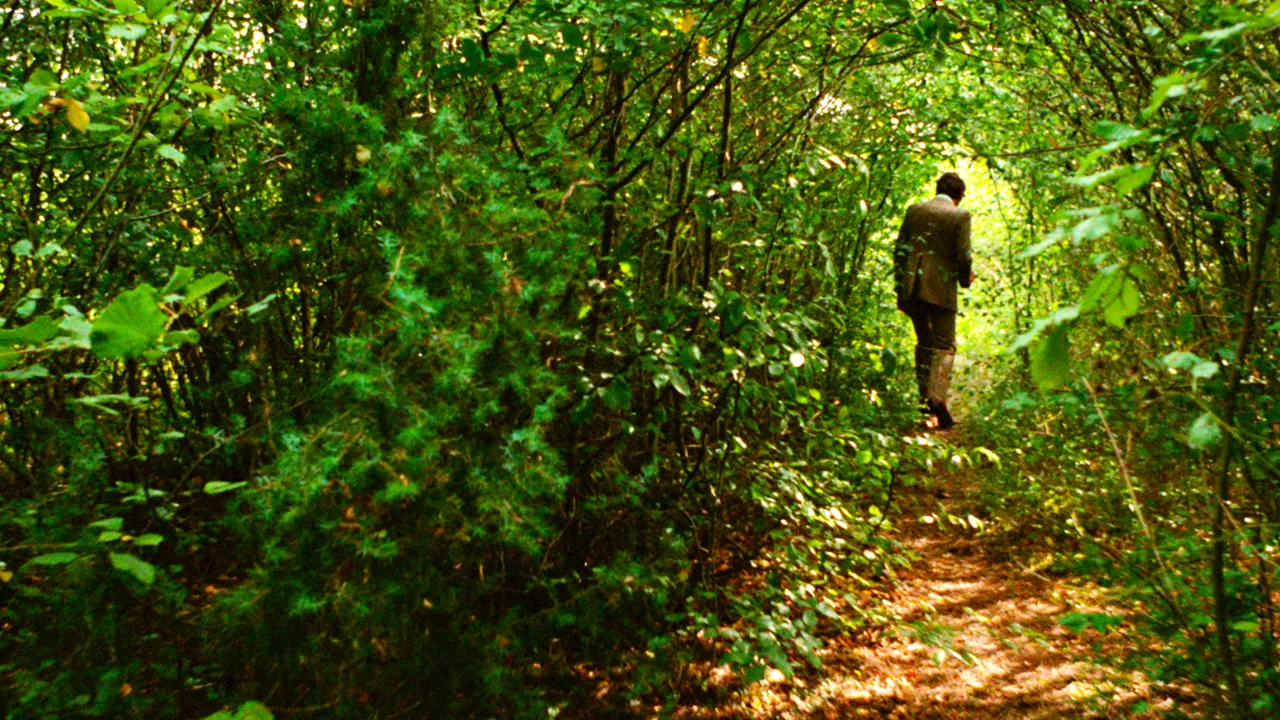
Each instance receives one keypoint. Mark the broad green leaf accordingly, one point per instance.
(170, 152)
(148, 540)
(1180, 360)
(1136, 179)
(127, 31)
(31, 372)
(1166, 87)
(249, 711)
(1204, 370)
(181, 277)
(1038, 248)
(144, 571)
(109, 536)
(1126, 302)
(262, 304)
(126, 7)
(680, 384)
(1264, 123)
(33, 333)
(1225, 33)
(114, 523)
(1116, 131)
(618, 395)
(57, 558)
(217, 487)
(203, 286)
(1204, 432)
(1051, 359)
(130, 325)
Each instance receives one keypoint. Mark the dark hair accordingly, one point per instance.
(951, 185)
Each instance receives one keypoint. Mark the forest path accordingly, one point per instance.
(980, 636)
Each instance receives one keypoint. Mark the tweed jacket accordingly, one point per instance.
(932, 255)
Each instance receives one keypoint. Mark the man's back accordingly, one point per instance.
(932, 254)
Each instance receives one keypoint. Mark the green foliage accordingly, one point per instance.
(496, 341)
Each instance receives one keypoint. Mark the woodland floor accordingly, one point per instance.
(980, 597)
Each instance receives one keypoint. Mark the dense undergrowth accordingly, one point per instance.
(384, 358)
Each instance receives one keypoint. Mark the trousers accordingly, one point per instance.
(935, 328)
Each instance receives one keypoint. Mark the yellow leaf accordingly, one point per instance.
(688, 22)
(702, 45)
(126, 690)
(76, 115)
(363, 154)
(599, 65)
(5, 576)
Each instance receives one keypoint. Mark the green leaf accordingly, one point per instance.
(126, 31)
(217, 487)
(1079, 622)
(1136, 179)
(1038, 248)
(31, 372)
(129, 326)
(1204, 432)
(76, 331)
(1225, 33)
(262, 304)
(1204, 370)
(1124, 304)
(181, 277)
(249, 711)
(204, 286)
(58, 558)
(109, 536)
(618, 395)
(1264, 123)
(148, 540)
(33, 333)
(679, 383)
(170, 152)
(1180, 360)
(144, 571)
(1167, 87)
(1051, 359)
(114, 523)
(1115, 131)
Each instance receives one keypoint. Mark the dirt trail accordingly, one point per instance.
(982, 639)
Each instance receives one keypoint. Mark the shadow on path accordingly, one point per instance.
(979, 638)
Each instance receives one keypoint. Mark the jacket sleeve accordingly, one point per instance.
(964, 255)
(901, 256)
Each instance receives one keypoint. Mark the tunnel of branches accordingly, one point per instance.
(387, 358)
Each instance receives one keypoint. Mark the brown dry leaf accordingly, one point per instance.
(126, 690)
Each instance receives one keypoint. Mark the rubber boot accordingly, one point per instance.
(924, 360)
(939, 386)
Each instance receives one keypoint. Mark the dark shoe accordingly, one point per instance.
(939, 410)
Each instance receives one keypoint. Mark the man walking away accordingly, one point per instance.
(930, 259)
